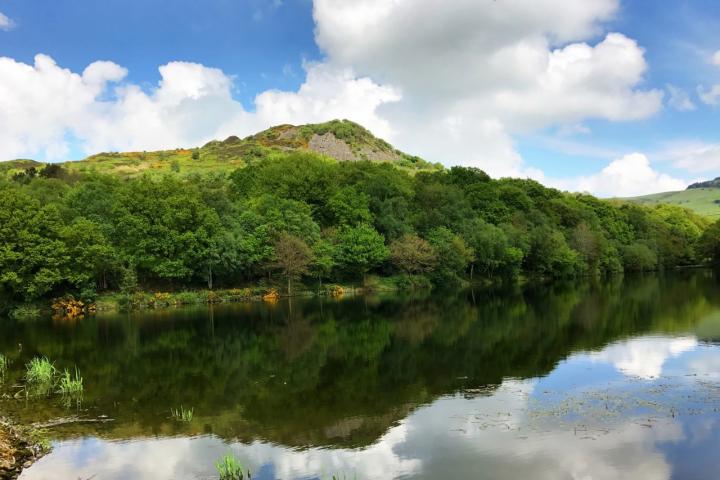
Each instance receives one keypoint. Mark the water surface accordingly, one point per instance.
(611, 380)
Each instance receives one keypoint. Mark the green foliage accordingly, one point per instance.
(709, 244)
(66, 233)
(360, 248)
(230, 468)
(638, 257)
(454, 255)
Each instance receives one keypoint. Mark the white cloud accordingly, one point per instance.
(451, 81)
(5, 22)
(697, 157)
(327, 93)
(716, 59)
(679, 99)
(482, 71)
(645, 357)
(628, 176)
(42, 104)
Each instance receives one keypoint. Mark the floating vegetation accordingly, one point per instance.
(182, 415)
(230, 468)
(70, 385)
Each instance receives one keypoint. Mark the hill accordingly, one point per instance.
(709, 184)
(340, 139)
(703, 200)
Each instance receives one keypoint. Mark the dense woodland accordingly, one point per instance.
(300, 216)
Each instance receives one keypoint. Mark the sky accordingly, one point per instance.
(611, 97)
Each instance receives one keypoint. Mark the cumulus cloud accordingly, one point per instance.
(628, 176)
(716, 58)
(5, 22)
(43, 104)
(483, 71)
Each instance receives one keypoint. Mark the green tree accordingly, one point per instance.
(708, 245)
(90, 257)
(32, 254)
(453, 253)
(323, 259)
(360, 248)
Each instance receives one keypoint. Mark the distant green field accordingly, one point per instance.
(704, 201)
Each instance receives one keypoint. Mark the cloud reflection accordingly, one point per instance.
(644, 357)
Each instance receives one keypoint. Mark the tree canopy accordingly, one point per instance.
(307, 215)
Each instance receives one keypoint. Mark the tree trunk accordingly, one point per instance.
(210, 277)
(289, 284)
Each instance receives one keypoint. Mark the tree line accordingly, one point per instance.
(303, 216)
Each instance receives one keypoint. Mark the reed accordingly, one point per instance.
(230, 468)
(40, 371)
(70, 385)
(182, 415)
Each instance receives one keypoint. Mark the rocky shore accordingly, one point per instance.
(19, 449)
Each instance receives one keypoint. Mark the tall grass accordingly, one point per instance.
(182, 415)
(40, 371)
(230, 468)
(70, 385)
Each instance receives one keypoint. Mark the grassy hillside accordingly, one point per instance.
(340, 139)
(704, 201)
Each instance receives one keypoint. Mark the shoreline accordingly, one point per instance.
(20, 448)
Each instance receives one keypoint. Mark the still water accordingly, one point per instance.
(613, 380)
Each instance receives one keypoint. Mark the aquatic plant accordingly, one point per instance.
(3, 365)
(40, 371)
(69, 385)
(230, 468)
(182, 415)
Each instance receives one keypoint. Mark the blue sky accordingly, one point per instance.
(596, 95)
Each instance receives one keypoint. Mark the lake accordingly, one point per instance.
(612, 379)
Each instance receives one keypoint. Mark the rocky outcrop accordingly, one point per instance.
(331, 146)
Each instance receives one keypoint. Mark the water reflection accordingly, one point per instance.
(597, 381)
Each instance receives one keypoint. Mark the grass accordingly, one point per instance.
(182, 415)
(70, 385)
(230, 468)
(703, 201)
(40, 371)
